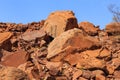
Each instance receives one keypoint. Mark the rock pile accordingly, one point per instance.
(59, 49)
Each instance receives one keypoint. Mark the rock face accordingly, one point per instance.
(89, 28)
(11, 73)
(59, 21)
(5, 40)
(73, 39)
(113, 28)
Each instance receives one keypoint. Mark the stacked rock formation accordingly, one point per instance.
(59, 48)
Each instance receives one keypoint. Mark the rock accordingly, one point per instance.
(90, 63)
(88, 28)
(81, 78)
(5, 40)
(97, 72)
(33, 35)
(104, 53)
(100, 77)
(91, 53)
(87, 74)
(110, 69)
(113, 28)
(50, 65)
(54, 67)
(11, 73)
(117, 75)
(61, 78)
(58, 22)
(70, 41)
(77, 74)
(15, 59)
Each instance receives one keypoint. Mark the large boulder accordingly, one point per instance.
(59, 21)
(11, 73)
(113, 28)
(89, 28)
(5, 40)
(70, 41)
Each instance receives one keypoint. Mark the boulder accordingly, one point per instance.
(113, 28)
(33, 35)
(12, 73)
(70, 41)
(59, 21)
(15, 58)
(88, 28)
(5, 40)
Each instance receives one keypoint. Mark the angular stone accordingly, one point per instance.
(113, 28)
(77, 74)
(117, 75)
(15, 59)
(4, 37)
(11, 73)
(61, 78)
(100, 77)
(104, 53)
(90, 63)
(110, 69)
(70, 41)
(58, 22)
(89, 28)
(5, 40)
(96, 72)
(37, 34)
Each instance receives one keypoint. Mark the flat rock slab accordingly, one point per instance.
(29, 36)
(15, 59)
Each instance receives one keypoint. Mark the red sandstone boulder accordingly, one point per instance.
(113, 28)
(58, 22)
(15, 59)
(70, 41)
(89, 28)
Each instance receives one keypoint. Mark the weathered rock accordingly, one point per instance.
(104, 53)
(90, 63)
(15, 59)
(89, 28)
(30, 70)
(69, 41)
(77, 74)
(87, 74)
(11, 73)
(110, 69)
(117, 75)
(33, 35)
(97, 72)
(5, 40)
(58, 22)
(113, 28)
(100, 77)
(81, 78)
(61, 78)
(54, 67)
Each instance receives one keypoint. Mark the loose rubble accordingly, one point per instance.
(59, 48)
